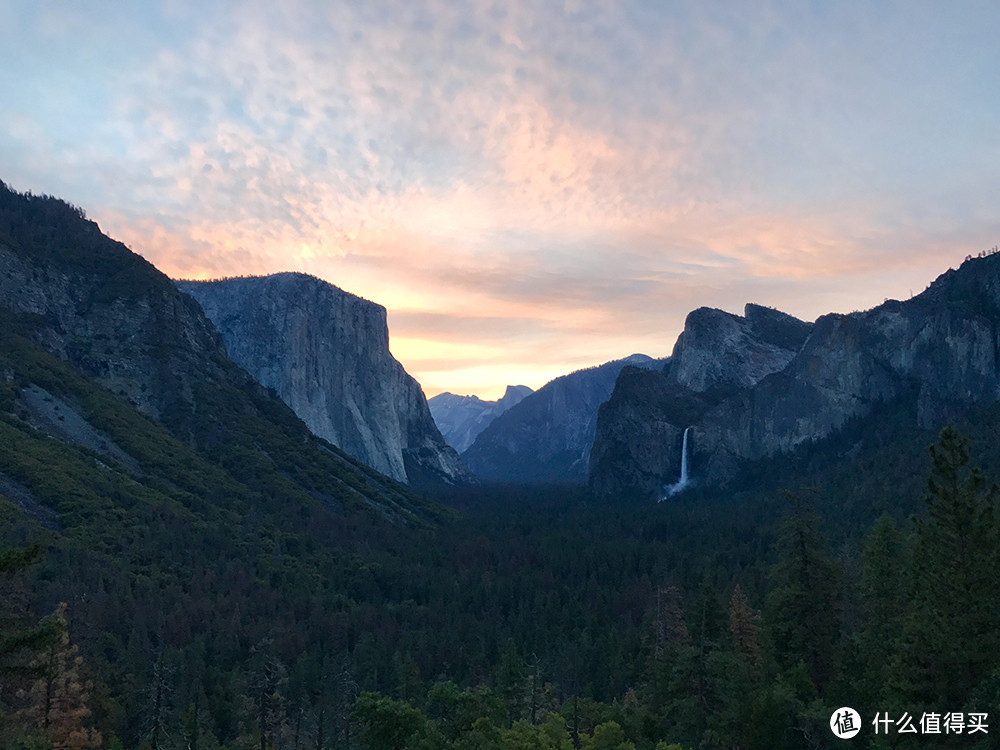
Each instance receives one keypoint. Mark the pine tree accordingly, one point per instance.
(952, 635)
(802, 611)
(884, 602)
(160, 695)
(744, 626)
(57, 700)
(22, 644)
(266, 702)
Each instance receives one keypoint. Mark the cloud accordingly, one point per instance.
(564, 182)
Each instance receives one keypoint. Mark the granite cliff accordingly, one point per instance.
(782, 383)
(101, 351)
(462, 418)
(547, 436)
(718, 349)
(326, 354)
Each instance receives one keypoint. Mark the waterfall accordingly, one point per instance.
(683, 482)
(684, 459)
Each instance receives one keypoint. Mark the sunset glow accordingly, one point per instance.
(528, 188)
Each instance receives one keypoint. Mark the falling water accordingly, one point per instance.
(683, 482)
(684, 459)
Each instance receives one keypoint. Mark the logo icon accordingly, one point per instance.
(845, 722)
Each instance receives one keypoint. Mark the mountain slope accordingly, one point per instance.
(110, 315)
(326, 353)
(182, 508)
(547, 436)
(462, 418)
(939, 350)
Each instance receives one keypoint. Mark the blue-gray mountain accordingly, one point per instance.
(462, 418)
(547, 436)
(326, 353)
(766, 384)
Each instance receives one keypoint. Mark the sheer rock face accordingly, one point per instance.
(637, 444)
(462, 418)
(547, 437)
(760, 394)
(326, 353)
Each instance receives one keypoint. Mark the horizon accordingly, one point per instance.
(528, 190)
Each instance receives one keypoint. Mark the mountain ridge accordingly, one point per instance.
(112, 316)
(941, 348)
(462, 418)
(547, 436)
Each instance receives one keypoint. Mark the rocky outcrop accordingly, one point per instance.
(637, 442)
(718, 349)
(547, 437)
(941, 348)
(462, 418)
(326, 353)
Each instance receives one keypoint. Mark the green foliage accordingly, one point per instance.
(385, 724)
(50, 232)
(16, 559)
(607, 736)
(42, 700)
(952, 627)
(802, 605)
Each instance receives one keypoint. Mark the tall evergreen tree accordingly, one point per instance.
(884, 602)
(952, 634)
(744, 626)
(22, 644)
(802, 609)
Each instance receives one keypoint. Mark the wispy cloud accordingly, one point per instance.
(563, 182)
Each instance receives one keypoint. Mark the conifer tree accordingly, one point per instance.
(159, 703)
(57, 700)
(952, 635)
(802, 606)
(883, 604)
(744, 626)
(21, 644)
(266, 683)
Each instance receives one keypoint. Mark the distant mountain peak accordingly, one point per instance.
(462, 418)
(547, 437)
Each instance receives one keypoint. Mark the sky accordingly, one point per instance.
(528, 187)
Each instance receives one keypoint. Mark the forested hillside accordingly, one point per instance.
(191, 569)
(532, 619)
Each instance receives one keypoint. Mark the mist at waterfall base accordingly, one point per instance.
(684, 482)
